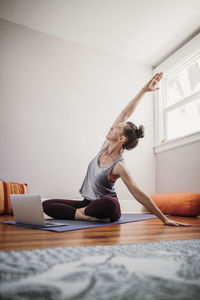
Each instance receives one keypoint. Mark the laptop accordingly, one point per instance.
(27, 209)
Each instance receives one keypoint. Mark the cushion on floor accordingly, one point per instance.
(7, 188)
(178, 204)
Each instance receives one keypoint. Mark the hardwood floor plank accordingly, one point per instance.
(153, 230)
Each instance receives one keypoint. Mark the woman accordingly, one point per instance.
(100, 199)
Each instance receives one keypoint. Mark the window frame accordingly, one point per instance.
(173, 64)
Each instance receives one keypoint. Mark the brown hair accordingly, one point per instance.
(133, 134)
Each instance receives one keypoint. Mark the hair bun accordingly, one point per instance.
(140, 131)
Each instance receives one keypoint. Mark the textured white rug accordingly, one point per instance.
(157, 270)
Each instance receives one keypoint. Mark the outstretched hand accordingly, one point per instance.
(151, 85)
(174, 223)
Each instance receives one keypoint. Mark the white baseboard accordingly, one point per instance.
(131, 206)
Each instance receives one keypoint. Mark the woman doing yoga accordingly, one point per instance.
(100, 201)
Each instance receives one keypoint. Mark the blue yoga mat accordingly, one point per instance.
(69, 225)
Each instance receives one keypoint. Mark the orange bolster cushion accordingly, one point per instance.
(178, 204)
(7, 188)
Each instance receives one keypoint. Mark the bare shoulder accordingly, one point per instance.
(122, 172)
(119, 169)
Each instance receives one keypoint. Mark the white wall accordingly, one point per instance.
(58, 99)
(178, 170)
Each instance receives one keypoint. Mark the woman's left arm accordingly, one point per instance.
(141, 197)
(128, 110)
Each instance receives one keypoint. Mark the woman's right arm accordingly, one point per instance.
(141, 197)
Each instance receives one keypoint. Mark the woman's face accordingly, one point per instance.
(116, 132)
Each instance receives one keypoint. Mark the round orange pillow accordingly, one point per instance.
(178, 204)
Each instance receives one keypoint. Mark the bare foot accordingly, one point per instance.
(82, 209)
(80, 215)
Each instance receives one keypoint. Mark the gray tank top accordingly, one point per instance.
(96, 183)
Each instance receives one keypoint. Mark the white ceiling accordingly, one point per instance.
(146, 31)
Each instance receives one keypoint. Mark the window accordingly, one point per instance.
(177, 105)
(182, 101)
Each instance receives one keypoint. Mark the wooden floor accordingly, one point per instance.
(20, 238)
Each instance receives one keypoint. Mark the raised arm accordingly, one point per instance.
(150, 86)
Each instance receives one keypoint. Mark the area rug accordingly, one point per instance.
(69, 225)
(150, 270)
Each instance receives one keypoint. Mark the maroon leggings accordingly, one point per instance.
(104, 207)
